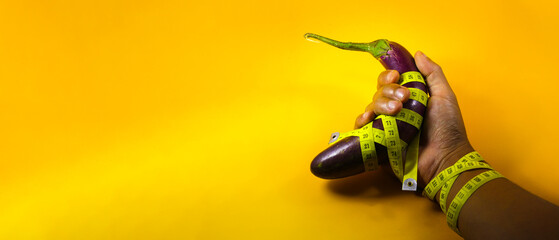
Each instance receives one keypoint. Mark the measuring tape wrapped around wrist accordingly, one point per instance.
(444, 181)
(445, 189)
(390, 138)
(470, 161)
(464, 194)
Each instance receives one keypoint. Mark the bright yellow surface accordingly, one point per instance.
(198, 119)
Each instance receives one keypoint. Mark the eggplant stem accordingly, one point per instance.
(377, 48)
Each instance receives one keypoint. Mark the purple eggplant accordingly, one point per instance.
(343, 158)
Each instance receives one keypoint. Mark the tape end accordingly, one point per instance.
(409, 184)
(334, 137)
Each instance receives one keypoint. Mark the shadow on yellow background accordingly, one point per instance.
(199, 119)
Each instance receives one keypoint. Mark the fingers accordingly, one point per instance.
(363, 119)
(436, 81)
(387, 77)
(389, 96)
(388, 100)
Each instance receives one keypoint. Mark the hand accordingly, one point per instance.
(443, 138)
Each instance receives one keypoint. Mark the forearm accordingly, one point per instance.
(501, 209)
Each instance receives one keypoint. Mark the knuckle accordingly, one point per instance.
(388, 90)
(378, 107)
(381, 106)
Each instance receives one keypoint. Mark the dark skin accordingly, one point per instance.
(499, 209)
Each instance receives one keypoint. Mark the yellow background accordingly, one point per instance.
(199, 119)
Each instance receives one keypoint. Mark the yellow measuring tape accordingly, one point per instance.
(368, 136)
(418, 95)
(409, 182)
(368, 150)
(410, 117)
(474, 157)
(465, 193)
(411, 76)
(393, 145)
(468, 162)
(446, 179)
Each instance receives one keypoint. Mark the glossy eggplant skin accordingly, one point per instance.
(343, 158)
(339, 160)
(398, 58)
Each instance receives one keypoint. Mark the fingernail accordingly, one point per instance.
(400, 93)
(425, 56)
(392, 105)
(422, 54)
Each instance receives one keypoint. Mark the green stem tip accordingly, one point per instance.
(376, 48)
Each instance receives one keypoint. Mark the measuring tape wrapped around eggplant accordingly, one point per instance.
(384, 139)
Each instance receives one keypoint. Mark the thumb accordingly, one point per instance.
(436, 81)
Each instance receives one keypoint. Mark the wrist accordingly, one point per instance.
(452, 157)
